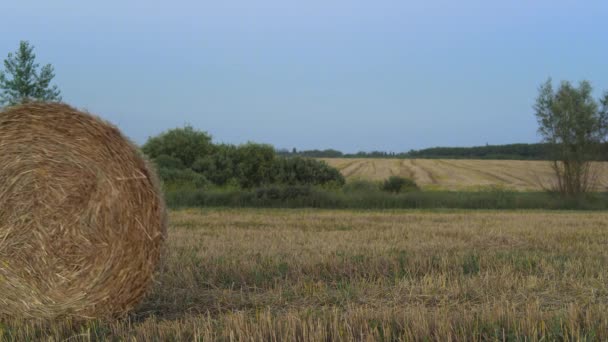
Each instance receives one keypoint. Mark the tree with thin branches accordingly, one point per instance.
(574, 125)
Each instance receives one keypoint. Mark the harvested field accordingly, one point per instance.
(460, 174)
(313, 275)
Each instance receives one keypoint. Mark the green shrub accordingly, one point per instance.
(249, 165)
(315, 197)
(185, 144)
(396, 184)
(299, 171)
(221, 166)
(168, 162)
(283, 193)
(182, 178)
(254, 164)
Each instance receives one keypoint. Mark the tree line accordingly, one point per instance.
(538, 151)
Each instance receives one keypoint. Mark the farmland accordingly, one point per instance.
(460, 174)
(310, 275)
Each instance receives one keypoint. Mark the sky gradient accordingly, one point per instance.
(345, 74)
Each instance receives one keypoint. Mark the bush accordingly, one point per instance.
(220, 167)
(249, 165)
(182, 178)
(254, 164)
(299, 171)
(185, 144)
(396, 184)
(168, 162)
(283, 193)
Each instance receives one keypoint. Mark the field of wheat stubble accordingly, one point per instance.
(461, 174)
(310, 275)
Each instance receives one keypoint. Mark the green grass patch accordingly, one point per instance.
(312, 197)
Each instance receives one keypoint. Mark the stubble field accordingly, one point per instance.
(314, 275)
(461, 174)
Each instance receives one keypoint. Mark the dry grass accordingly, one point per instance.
(309, 275)
(459, 174)
(81, 218)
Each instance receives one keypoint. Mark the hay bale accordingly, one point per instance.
(82, 220)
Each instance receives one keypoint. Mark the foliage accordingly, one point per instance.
(282, 193)
(509, 152)
(277, 196)
(254, 164)
(26, 82)
(504, 152)
(167, 162)
(182, 152)
(297, 170)
(219, 167)
(182, 179)
(574, 125)
(185, 144)
(396, 184)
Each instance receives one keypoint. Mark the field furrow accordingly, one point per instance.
(462, 174)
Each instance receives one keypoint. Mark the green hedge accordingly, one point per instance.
(313, 197)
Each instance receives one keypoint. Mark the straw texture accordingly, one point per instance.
(82, 220)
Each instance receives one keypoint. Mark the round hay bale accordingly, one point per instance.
(82, 220)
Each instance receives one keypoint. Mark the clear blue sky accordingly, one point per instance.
(348, 74)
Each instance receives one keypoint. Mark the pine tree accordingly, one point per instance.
(27, 83)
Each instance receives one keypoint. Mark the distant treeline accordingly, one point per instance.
(506, 152)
